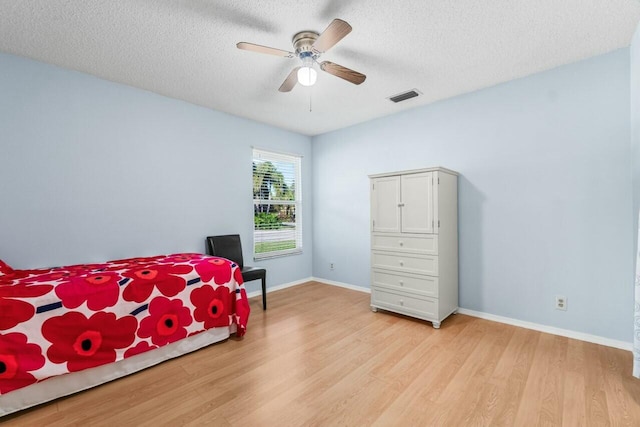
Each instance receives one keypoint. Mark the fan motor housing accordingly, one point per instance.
(303, 41)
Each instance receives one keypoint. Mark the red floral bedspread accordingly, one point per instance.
(67, 319)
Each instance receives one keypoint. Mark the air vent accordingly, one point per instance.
(404, 96)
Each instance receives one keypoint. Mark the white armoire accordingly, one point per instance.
(414, 243)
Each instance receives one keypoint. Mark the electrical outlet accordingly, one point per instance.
(331, 266)
(561, 302)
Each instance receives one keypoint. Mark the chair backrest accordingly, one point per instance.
(227, 246)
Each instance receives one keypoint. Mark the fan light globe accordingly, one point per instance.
(307, 76)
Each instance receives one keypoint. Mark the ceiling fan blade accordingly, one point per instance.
(343, 72)
(264, 49)
(290, 81)
(335, 32)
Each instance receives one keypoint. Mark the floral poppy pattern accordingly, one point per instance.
(13, 309)
(99, 290)
(67, 319)
(83, 342)
(218, 269)
(53, 275)
(17, 358)
(213, 307)
(14, 312)
(241, 310)
(19, 274)
(167, 321)
(182, 258)
(144, 278)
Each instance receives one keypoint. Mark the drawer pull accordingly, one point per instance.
(401, 302)
(401, 283)
(401, 263)
(401, 243)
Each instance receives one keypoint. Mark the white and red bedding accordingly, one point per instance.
(68, 319)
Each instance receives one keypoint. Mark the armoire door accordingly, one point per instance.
(417, 203)
(385, 204)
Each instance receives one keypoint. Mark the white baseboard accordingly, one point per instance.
(309, 279)
(279, 287)
(342, 285)
(515, 322)
(623, 345)
(550, 329)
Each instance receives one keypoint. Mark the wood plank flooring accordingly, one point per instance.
(319, 357)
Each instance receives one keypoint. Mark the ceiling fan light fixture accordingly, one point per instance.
(308, 46)
(307, 76)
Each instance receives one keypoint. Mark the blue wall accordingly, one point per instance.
(635, 124)
(635, 170)
(92, 170)
(544, 193)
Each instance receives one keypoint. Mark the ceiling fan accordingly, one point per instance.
(308, 46)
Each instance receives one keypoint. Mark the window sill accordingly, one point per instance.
(269, 255)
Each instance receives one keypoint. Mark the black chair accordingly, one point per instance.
(229, 247)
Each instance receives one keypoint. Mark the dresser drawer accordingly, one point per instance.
(409, 263)
(421, 285)
(418, 243)
(401, 303)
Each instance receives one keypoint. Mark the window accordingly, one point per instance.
(277, 216)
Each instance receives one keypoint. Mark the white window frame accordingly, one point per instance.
(266, 155)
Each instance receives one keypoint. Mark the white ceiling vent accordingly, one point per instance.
(405, 95)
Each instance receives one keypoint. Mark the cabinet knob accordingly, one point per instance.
(401, 283)
(401, 302)
(401, 263)
(401, 243)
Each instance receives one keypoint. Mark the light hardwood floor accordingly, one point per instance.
(319, 356)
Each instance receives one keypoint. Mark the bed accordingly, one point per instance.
(66, 329)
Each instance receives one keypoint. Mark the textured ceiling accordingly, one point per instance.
(186, 49)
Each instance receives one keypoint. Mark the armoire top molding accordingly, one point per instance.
(406, 172)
